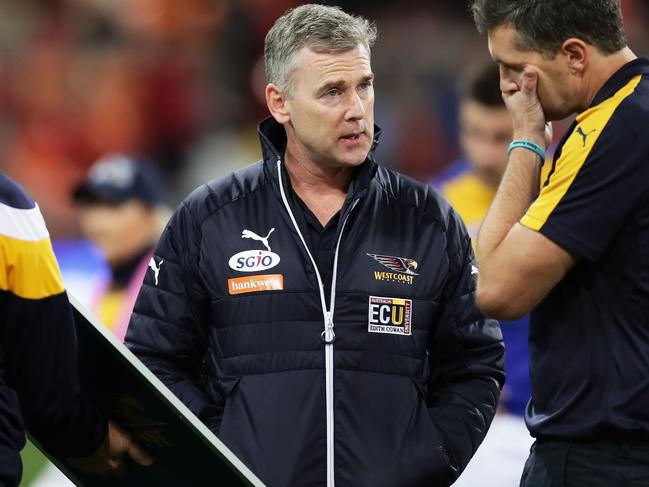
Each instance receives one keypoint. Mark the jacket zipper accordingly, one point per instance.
(328, 336)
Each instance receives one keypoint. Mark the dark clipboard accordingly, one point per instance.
(185, 451)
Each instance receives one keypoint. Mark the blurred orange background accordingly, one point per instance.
(181, 82)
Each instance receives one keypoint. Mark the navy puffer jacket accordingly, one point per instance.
(389, 378)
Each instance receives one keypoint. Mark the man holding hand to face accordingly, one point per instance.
(571, 246)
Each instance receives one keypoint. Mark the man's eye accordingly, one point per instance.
(333, 92)
(516, 68)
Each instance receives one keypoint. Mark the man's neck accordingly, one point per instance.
(602, 69)
(323, 189)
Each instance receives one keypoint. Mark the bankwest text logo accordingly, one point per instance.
(251, 284)
(389, 315)
(404, 269)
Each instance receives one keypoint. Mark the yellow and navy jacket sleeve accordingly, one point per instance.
(39, 360)
(597, 175)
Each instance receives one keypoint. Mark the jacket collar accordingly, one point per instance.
(273, 144)
(620, 78)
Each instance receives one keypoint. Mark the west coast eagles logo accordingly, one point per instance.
(403, 268)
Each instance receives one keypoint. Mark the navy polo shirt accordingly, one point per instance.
(589, 338)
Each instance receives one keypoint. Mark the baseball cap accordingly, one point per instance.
(118, 178)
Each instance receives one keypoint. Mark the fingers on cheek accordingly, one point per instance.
(509, 87)
(509, 94)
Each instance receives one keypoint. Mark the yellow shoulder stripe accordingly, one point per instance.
(29, 269)
(22, 224)
(575, 151)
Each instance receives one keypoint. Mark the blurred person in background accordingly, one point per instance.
(39, 384)
(279, 311)
(570, 243)
(470, 185)
(121, 209)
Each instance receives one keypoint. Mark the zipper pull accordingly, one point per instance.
(328, 336)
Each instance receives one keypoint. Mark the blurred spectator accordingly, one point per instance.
(177, 81)
(120, 210)
(470, 184)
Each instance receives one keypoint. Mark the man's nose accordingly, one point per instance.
(507, 83)
(355, 107)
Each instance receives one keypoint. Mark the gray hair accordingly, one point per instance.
(318, 27)
(544, 25)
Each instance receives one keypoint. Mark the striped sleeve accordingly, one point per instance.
(37, 336)
(595, 178)
(28, 268)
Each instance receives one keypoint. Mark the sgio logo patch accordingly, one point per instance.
(389, 315)
(253, 261)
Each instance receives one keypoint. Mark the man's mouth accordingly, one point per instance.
(352, 137)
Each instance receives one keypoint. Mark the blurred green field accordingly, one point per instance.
(33, 463)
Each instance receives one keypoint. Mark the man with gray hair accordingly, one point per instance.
(315, 309)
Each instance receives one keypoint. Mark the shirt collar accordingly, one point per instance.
(621, 78)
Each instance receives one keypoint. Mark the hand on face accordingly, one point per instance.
(525, 109)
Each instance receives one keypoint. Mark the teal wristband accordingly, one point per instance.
(529, 145)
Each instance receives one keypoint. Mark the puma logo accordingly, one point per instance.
(583, 135)
(156, 268)
(254, 236)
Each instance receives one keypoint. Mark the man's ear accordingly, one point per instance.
(577, 54)
(276, 100)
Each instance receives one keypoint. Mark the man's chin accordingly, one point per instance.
(353, 162)
(346, 158)
(552, 115)
(354, 158)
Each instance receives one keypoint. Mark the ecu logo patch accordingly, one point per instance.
(389, 315)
